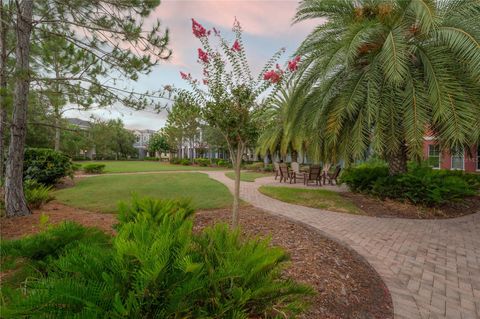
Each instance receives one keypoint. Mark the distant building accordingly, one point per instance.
(83, 125)
(465, 158)
(142, 137)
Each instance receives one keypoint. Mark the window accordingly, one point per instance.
(478, 157)
(434, 156)
(457, 158)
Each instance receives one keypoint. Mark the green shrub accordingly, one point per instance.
(36, 194)
(223, 163)
(46, 166)
(421, 185)
(43, 247)
(185, 162)
(202, 162)
(257, 166)
(268, 168)
(148, 158)
(362, 178)
(76, 167)
(94, 168)
(156, 267)
(175, 161)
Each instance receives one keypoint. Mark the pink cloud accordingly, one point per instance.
(272, 19)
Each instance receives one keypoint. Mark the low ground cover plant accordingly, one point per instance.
(155, 267)
(46, 166)
(94, 168)
(420, 185)
(149, 158)
(37, 194)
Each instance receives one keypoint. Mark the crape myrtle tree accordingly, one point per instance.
(228, 92)
(111, 43)
(381, 73)
(185, 116)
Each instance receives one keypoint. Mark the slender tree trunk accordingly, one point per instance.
(236, 156)
(397, 163)
(3, 88)
(14, 197)
(57, 132)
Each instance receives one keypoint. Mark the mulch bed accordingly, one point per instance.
(347, 286)
(389, 208)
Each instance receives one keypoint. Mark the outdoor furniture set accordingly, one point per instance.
(313, 174)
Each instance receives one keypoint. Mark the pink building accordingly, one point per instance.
(467, 159)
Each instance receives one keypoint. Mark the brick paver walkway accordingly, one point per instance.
(431, 267)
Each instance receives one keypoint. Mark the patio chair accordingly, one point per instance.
(276, 167)
(296, 173)
(284, 173)
(313, 174)
(330, 177)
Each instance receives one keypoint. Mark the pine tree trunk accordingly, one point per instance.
(397, 163)
(57, 132)
(14, 197)
(3, 88)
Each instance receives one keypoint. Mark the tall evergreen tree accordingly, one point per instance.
(113, 43)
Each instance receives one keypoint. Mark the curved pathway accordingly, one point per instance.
(431, 267)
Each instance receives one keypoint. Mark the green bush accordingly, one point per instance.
(223, 163)
(46, 166)
(76, 167)
(421, 185)
(147, 158)
(157, 267)
(185, 162)
(202, 162)
(268, 168)
(36, 194)
(94, 168)
(175, 161)
(257, 166)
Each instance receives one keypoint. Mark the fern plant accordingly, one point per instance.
(156, 267)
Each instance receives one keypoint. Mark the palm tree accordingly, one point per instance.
(278, 134)
(381, 73)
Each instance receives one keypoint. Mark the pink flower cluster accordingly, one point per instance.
(203, 56)
(273, 76)
(185, 76)
(236, 46)
(293, 65)
(198, 30)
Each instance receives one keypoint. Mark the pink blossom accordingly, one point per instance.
(203, 56)
(198, 30)
(205, 81)
(185, 76)
(236, 46)
(293, 65)
(273, 76)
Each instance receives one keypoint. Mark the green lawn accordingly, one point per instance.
(102, 193)
(316, 198)
(247, 176)
(143, 166)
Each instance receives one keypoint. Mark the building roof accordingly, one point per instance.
(79, 122)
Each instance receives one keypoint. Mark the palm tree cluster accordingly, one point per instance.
(378, 74)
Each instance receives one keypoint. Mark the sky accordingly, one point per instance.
(267, 27)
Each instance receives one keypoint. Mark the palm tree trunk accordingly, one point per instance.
(15, 202)
(397, 162)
